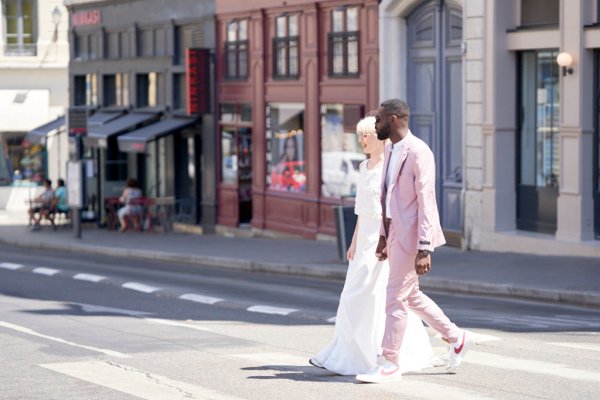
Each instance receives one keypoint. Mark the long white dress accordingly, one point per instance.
(360, 320)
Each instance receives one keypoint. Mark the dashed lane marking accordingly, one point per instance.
(271, 310)
(135, 382)
(11, 266)
(89, 278)
(198, 298)
(140, 287)
(31, 332)
(45, 271)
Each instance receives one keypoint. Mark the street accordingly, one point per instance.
(88, 327)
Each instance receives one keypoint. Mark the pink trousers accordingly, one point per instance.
(403, 293)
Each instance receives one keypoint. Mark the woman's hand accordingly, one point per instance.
(351, 251)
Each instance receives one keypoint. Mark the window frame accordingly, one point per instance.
(20, 49)
(345, 37)
(237, 47)
(286, 42)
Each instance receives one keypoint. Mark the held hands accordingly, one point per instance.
(422, 263)
(381, 251)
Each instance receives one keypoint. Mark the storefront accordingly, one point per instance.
(288, 151)
(146, 85)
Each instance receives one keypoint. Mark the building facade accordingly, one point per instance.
(143, 72)
(527, 127)
(34, 55)
(293, 80)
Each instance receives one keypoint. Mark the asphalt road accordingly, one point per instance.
(74, 327)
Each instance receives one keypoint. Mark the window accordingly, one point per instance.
(236, 50)
(91, 90)
(148, 89)
(539, 12)
(236, 149)
(79, 94)
(285, 47)
(179, 92)
(343, 43)
(20, 27)
(341, 153)
(285, 147)
(116, 90)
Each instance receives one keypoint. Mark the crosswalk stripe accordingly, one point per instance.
(271, 310)
(31, 332)
(140, 287)
(89, 277)
(45, 271)
(135, 382)
(177, 324)
(198, 298)
(11, 266)
(531, 366)
(579, 346)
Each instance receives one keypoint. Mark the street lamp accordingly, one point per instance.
(565, 60)
(56, 15)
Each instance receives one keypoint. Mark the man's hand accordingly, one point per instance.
(381, 251)
(422, 264)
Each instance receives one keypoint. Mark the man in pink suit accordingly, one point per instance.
(410, 231)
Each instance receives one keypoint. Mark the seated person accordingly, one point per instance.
(40, 204)
(131, 207)
(59, 203)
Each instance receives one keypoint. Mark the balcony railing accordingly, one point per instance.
(20, 50)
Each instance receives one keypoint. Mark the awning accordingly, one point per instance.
(135, 142)
(102, 117)
(98, 135)
(39, 134)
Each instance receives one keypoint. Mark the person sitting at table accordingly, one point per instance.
(40, 204)
(131, 207)
(59, 203)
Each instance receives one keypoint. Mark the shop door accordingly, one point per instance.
(245, 174)
(538, 122)
(435, 99)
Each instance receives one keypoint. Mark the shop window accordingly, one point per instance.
(20, 25)
(341, 153)
(236, 50)
(343, 43)
(115, 90)
(148, 89)
(286, 47)
(540, 12)
(236, 148)
(285, 147)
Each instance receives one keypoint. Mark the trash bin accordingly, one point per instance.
(345, 222)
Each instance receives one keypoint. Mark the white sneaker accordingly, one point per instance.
(458, 350)
(386, 372)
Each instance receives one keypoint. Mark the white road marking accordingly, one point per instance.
(271, 310)
(198, 298)
(46, 271)
(140, 287)
(332, 320)
(275, 359)
(11, 266)
(531, 366)
(31, 332)
(91, 308)
(135, 382)
(89, 277)
(177, 324)
(579, 346)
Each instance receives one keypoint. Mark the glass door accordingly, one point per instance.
(538, 161)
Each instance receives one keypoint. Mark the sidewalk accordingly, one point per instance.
(567, 280)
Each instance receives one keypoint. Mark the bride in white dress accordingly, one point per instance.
(360, 320)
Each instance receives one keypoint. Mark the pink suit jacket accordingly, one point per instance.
(413, 207)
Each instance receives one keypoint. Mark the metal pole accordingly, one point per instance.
(77, 211)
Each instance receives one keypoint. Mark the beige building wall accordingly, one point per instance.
(44, 77)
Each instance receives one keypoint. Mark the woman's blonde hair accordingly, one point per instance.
(366, 126)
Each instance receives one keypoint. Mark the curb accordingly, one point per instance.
(566, 297)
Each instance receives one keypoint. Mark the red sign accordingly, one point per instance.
(86, 18)
(197, 63)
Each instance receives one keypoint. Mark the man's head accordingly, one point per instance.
(392, 120)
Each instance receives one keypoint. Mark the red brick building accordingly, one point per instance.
(293, 79)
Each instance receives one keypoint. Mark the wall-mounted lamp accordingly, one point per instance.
(56, 15)
(565, 60)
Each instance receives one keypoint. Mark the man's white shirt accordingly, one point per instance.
(394, 160)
